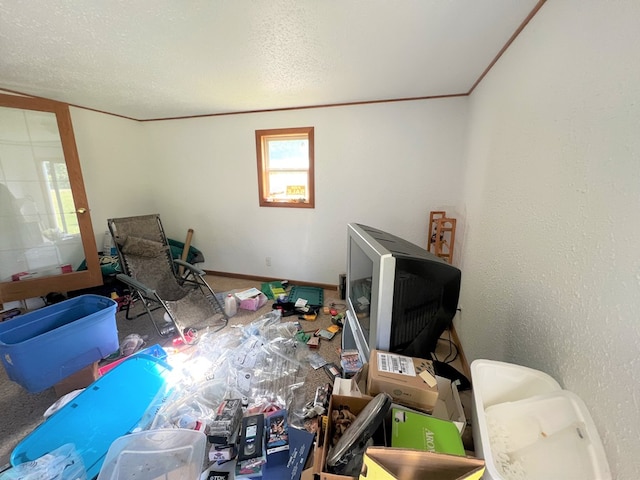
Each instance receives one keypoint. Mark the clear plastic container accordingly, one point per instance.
(108, 246)
(230, 305)
(169, 454)
(63, 463)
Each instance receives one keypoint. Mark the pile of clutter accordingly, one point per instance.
(237, 384)
(250, 373)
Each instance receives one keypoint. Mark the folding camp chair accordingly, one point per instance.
(186, 303)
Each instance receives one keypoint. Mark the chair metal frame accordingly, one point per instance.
(149, 228)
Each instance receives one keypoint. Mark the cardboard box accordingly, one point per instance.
(404, 379)
(307, 474)
(81, 379)
(250, 299)
(356, 405)
(347, 387)
(406, 464)
(323, 423)
(253, 303)
(449, 406)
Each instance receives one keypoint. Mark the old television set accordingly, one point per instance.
(400, 297)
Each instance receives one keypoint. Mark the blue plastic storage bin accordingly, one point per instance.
(40, 348)
(124, 399)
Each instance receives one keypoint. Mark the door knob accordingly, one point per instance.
(81, 210)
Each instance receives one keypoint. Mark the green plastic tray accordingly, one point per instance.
(313, 295)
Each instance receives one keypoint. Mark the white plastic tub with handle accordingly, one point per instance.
(526, 427)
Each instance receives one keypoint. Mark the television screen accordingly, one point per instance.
(361, 268)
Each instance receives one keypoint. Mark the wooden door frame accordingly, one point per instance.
(35, 287)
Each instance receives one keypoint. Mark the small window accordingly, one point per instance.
(60, 198)
(285, 167)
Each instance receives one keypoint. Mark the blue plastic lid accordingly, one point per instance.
(109, 408)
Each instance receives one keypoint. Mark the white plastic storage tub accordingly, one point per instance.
(527, 428)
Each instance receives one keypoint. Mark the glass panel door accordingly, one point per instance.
(45, 226)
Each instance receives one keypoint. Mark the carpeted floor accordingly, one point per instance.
(22, 411)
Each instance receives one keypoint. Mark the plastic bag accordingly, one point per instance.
(261, 363)
(131, 344)
(63, 463)
(61, 402)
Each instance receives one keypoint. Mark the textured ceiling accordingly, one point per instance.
(148, 59)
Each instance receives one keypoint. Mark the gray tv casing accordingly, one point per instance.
(383, 249)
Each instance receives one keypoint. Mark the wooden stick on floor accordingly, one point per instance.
(185, 250)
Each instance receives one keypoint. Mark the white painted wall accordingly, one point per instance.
(386, 165)
(551, 270)
(114, 160)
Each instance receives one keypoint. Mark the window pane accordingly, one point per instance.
(288, 154)
(288, 186)
(285, 167)
(60, 197)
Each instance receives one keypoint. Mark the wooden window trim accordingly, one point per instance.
(262, 170)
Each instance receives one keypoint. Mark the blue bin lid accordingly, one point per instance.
(109, 408)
